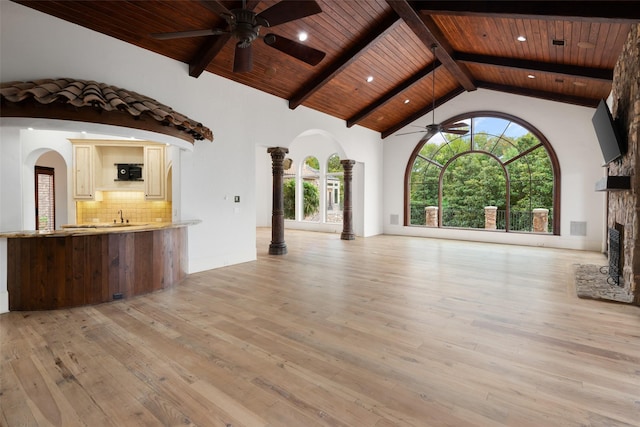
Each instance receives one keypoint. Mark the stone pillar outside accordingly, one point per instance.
(347, 212)
(431, 215)
(540, 220)
(278, 245)
(490, 217)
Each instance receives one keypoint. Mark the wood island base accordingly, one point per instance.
(75, 269)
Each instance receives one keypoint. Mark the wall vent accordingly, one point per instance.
(394, 219)
(578, 228)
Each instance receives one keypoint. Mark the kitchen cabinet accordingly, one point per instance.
(154, 170)
(83, 172)
(95, 168)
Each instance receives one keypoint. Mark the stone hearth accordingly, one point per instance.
(592, 283)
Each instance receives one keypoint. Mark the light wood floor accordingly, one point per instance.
(383, 331)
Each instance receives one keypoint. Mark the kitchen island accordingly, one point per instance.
(93, 263)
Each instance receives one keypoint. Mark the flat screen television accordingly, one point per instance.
(612, 145)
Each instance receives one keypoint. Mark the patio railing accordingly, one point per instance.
(536, 220)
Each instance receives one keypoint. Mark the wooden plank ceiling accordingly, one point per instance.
(570, 50)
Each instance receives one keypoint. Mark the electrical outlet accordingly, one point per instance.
(236, 199)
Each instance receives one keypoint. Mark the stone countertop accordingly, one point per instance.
(88, 229)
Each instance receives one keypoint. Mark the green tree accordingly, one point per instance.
(289, 195)
(312, 162)
(333, 164)
(310, 195)
(471, 182)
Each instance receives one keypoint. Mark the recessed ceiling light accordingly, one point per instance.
(29, 128)
(586, 45)
(302, 36)
(521, 39)
(531, 76)
(406, 101)
(369, 79)
(84, 132)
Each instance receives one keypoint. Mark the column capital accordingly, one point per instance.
(347, 163)
(277, 150)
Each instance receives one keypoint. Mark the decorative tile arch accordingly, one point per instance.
(93, 102)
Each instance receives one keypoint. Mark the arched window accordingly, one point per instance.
(334, 185)
(310, 189)
(289, 189)
(501, 175)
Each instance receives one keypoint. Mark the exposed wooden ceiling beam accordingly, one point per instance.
(428, 32)
(361, 115)
(415, 116)
(549, 96)
(609, 11)
(347, 58)
(564, 69)
(209, 49)
(212, 44)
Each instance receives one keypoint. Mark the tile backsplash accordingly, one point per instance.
(134, 208)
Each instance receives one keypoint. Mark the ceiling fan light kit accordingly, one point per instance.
(244, 25)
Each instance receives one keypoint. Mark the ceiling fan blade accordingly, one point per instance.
(217, 7)
(243, 59)
(292, 48)
(410, 133)
(458, 125)
(455, 131)
(430, 133)
(184, 34)
(289, 10)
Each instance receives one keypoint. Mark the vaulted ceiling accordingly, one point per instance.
(569, 54)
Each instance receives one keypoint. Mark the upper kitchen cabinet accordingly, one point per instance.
(83, 172)
(154, 172)
(115, 165)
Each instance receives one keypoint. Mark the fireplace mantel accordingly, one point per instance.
(614, 183)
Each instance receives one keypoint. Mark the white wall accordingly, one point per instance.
(244, 122)
(569, 130)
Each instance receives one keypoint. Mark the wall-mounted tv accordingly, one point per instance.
(612, 144)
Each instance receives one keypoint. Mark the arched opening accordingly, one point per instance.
(502, 175)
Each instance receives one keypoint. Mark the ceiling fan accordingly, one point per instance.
(244, 25)
(433, 128)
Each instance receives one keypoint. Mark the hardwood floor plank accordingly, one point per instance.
(375, 332)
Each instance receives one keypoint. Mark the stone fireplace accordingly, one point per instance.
(623, 206)
(616, 236)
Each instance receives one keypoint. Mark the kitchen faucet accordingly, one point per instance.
(121, 218)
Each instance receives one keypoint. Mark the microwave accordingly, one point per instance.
(129, 171)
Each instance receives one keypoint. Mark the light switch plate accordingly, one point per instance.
(236, 199)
